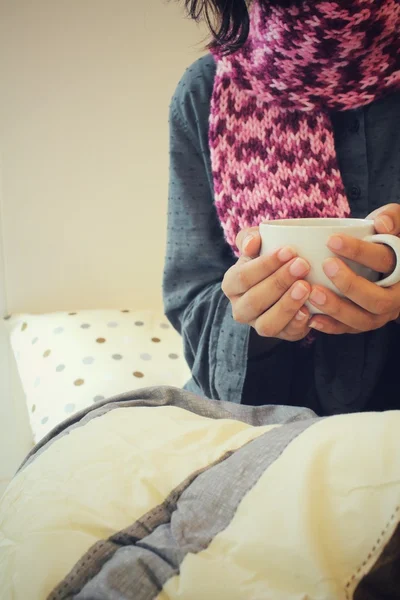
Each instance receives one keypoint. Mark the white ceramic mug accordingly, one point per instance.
(309, 237)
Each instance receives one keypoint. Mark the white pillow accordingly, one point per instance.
(68, 361)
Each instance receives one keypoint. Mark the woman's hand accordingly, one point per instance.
(268, 292)
(366, 306)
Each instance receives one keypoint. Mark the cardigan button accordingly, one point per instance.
(355, 192)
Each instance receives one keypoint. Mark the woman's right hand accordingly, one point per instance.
(268, 292)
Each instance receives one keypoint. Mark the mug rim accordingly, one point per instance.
(309, 223)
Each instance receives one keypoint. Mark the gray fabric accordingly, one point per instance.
(138, 562)
(169, 396)
(92, 562)
(338, 373)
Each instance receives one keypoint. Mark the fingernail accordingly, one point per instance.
(286, 254)
(318, 297)
(376, 212)
(299, 267)
(335, 243)
(301, 316)
(247, 241)
(299, 291)
(386, 222)
(331, 267)
(316, 325)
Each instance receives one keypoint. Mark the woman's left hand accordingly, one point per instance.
(365, 306)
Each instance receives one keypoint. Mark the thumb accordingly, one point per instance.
(387, 219)
(248, 242)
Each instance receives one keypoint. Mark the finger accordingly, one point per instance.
(344, 311)
(248, 273)
(362, 292)
(272, 322)
(264, 295)
(331, 326)
(298, 328)
(341, 315)
(377, 257)
(248, 241)
(387, 219)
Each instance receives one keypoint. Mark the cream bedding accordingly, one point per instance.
(162, 495)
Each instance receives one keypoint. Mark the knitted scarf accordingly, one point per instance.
(271, 137)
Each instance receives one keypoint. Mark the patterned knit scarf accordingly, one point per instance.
(271, 137)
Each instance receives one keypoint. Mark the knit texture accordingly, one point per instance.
(271, 137)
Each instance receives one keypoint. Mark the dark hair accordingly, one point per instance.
(228, 20)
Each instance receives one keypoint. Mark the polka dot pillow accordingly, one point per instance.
(67, 361)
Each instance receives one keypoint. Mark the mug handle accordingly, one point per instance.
(394, 243)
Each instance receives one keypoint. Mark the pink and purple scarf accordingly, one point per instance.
(271, 137)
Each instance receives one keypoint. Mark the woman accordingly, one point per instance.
(295, 113)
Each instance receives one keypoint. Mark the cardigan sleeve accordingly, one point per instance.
(219, 351)
(197, 258)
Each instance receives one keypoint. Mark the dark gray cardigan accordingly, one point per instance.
(338, 373)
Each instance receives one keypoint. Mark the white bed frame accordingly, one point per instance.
(15, 434)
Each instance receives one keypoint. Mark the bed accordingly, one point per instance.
(160, 494)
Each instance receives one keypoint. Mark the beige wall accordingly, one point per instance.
(84, 93)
